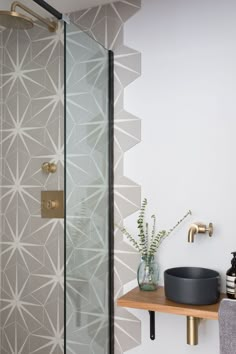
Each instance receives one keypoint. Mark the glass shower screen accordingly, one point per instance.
(87, 195)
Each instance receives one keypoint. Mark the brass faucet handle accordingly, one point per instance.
(210, 229)
(202, 229)
(49, 167)
(52, 204)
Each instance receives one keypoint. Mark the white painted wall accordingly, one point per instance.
(186, 98)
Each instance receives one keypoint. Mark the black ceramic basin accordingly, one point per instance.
(192, 285)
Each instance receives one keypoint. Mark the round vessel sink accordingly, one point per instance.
(192, 285)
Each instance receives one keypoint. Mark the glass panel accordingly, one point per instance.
(87, 256)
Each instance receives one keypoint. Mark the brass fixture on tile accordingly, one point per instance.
(52, 204)
(192, 330)
(17, 20)
(49, 167)
(198, 228)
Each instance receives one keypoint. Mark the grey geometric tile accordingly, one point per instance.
(124, 9)
(85, 19)
(127, 65)
(31, 248)
(127, 130)
(127, 197)
(127, 330)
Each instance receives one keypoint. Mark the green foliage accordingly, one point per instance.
(144, 245)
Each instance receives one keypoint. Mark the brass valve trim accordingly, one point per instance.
(52, 204)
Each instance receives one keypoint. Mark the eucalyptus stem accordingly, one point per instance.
(131, 239)
(179, 222)
(143, 245)
(163, 234)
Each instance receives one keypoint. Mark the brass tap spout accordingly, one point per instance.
(191, 232)
(198, 228)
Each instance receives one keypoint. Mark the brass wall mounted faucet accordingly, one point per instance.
(199, 228)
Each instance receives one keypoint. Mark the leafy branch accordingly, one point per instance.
(143, 245)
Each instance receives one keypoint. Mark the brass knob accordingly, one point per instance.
(52, 204)
(49, 167)
(210, 229)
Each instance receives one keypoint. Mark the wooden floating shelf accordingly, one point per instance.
(156, 301)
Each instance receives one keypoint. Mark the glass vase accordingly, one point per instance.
(148, 274)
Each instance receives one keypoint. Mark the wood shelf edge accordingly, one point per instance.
(156, 301)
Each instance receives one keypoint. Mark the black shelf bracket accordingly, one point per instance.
(152, 324)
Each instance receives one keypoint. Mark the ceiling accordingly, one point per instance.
(63, 6)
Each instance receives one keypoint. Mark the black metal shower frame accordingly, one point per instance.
(60, 16)
(49, 8)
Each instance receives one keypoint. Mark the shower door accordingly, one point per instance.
(88, 195)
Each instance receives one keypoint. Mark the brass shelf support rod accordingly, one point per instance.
(192, 330)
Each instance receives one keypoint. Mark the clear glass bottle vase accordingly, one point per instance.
(148, 274)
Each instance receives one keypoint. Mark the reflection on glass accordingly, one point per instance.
(86, 194)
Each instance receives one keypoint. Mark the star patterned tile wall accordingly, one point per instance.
(1, 59)
(32, 295)
(31, 299)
